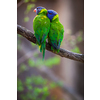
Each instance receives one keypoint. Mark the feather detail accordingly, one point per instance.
(41, 26)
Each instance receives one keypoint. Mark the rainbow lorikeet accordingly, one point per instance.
(41, 26)
(56, 32)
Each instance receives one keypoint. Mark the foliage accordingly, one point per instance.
(23, 67)
(26, 19)
(20, 85)
(76, 49)
(33, 44)
(31, 63)
(30, 5)
(72, 40)
(37, 87)
(39, 62)
(26, 1)
(52, 61)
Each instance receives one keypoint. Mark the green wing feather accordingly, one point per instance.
(55, 35)
(41, 26)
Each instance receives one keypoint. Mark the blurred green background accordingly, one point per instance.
(55, 78)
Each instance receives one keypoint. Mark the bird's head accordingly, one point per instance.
(39, 10)
(52, 15)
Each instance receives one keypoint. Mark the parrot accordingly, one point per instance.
(56, 32)
(41, 27)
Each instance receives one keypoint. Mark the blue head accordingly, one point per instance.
(38, 9)
(51, 14)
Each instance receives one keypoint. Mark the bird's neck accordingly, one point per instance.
(43, 11)
(55, 18)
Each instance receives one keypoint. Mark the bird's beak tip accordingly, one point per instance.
(34, 10)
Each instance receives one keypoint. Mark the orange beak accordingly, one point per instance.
(35, 10)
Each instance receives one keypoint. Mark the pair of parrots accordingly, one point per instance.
(46, 25)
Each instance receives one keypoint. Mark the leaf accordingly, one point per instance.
(45, 92)
(76, 50)
(39, 62)
(20, 88)
(38, 80)
(20, 36)
(28, 80)
(72, 43)
(29, 7)
(33, 44)
(36, 54)
(52, 61)
(29, 96)
(26, 1)
(38, 90)
(31, 63)
(23, 67)
(29, 87)
(33, 0)
(19, 85)
(45, 89)
(26, 19)
(53, 85)
(19, 82)
(79, 39)
(23, 97)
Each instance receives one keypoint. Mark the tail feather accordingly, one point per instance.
(55, 46)
(42, 49)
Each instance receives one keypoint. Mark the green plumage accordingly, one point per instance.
(41, 26)
(56, 33)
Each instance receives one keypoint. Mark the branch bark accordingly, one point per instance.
(63, 53)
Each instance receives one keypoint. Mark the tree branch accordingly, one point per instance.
(63, 53)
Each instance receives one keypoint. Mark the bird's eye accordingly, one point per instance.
(50, 13)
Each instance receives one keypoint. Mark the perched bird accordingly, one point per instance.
(56, 32)
(41, 27)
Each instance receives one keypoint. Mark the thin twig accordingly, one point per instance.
(63, 53)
